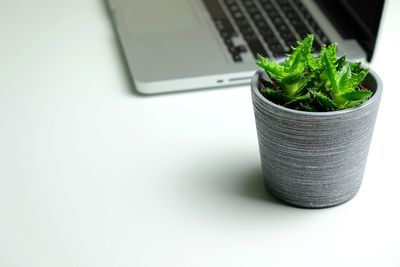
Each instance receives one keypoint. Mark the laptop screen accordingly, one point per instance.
(357, 19)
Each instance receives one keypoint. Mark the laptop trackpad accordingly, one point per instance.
(157, 16)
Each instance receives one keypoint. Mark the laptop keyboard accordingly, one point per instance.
(266, 27)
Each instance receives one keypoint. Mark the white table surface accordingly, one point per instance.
(92, 174)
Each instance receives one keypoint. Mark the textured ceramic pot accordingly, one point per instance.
(314, 159)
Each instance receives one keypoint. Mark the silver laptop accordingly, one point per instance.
(173, 45)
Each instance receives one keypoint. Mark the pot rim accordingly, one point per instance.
(261, 74)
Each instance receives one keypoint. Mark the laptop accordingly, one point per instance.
(175, 45)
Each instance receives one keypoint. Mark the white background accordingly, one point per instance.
(92, 174)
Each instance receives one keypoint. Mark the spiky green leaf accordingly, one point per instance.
(357, 78)
(276, 96)
(355, 67)
(291, 79)
(298, 59)
(356, 95)
(340, 62)
(344, 76)
(306, 107)
(273, 69)
(313, 63)
(297, 99)
(328, 60)
(325, 102)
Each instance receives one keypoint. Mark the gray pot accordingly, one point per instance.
(314, 159)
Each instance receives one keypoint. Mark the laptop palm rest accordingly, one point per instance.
(149, 17)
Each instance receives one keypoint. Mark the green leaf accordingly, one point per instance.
(355, 67)
(328, 59)
(306, 80)
(340, 62)
(357, 78)
(276, 96)
(315, 88)
(356, 95)
(299, 57)
(312, 62)
(300, 98)
(344, 77)
(273, 69)
(307, 107)
(291, 79)
(325, 102)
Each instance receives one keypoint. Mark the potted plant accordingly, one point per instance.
(315, 116)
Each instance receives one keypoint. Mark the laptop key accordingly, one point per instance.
(232, 50)
(253, 10)
(237, 57)
(233, 7)
(248, 3)
(278, 21)
(241, 49)
(296, 22)
(230, 32)
(242, 22)
(271, 40)
(282, 2)
(250, 37)
(246, 30)
(220, 19)
(262, 24)
(257, 16)
(267, 33)
(228, 41)
(282, 28)
(267, 4)
(286, 7)
(256, 47)
(237, 49)
(287, 35)
(238, 15)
